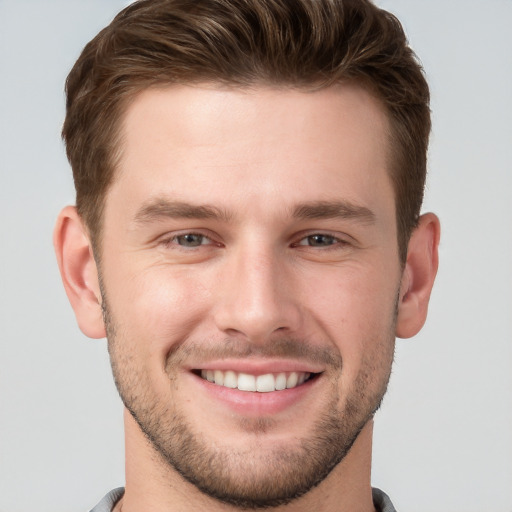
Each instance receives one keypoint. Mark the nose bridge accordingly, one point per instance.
(256, 300)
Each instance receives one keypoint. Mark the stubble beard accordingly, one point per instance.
(250, 478)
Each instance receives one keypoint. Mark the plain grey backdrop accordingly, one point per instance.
(443, 438)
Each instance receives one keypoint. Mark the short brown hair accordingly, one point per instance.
(297, 43)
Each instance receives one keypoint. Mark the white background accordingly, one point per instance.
(443, 438)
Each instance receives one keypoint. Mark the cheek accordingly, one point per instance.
(357, 315)
(157, 308)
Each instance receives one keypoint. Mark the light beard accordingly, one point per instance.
(255, 477)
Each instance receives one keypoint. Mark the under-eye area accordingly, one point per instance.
(258, 383)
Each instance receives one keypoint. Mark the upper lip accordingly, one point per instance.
(258, 367)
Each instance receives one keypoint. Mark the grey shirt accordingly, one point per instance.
(380, 500)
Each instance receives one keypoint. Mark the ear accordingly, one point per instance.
(79, 272)
(418, 276)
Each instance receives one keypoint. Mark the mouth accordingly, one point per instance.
(265, 383)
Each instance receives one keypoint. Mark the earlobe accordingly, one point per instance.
(79, 272)
(418, 276)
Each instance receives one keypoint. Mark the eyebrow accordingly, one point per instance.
(334, 210)
(161, 208)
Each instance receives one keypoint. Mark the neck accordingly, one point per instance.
(152, 486)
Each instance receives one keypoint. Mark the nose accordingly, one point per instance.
(256, 297)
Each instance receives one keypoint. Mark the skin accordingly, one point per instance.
(292, 266)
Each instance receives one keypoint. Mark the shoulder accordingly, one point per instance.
(109, 500)
(382, 501)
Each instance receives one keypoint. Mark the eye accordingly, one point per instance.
(319, 240)
(190, 240)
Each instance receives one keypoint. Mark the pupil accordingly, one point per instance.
(191, 240)
(320, 240)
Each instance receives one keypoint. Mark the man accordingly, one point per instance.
(247, 235)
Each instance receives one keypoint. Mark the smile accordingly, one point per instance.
(257, 383)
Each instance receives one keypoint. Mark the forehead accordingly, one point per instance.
(189, 112)
(211, 144)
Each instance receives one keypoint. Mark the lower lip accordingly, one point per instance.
(253, 403)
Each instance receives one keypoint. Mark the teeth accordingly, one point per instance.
(246, 382)
(218, 377)
(292, 380)
(280, 382)
(230, 380)
(261, 383)
(265, 383)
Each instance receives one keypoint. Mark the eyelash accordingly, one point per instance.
(335, 242)
(173, 240)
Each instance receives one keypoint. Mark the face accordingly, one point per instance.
(250, 276)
